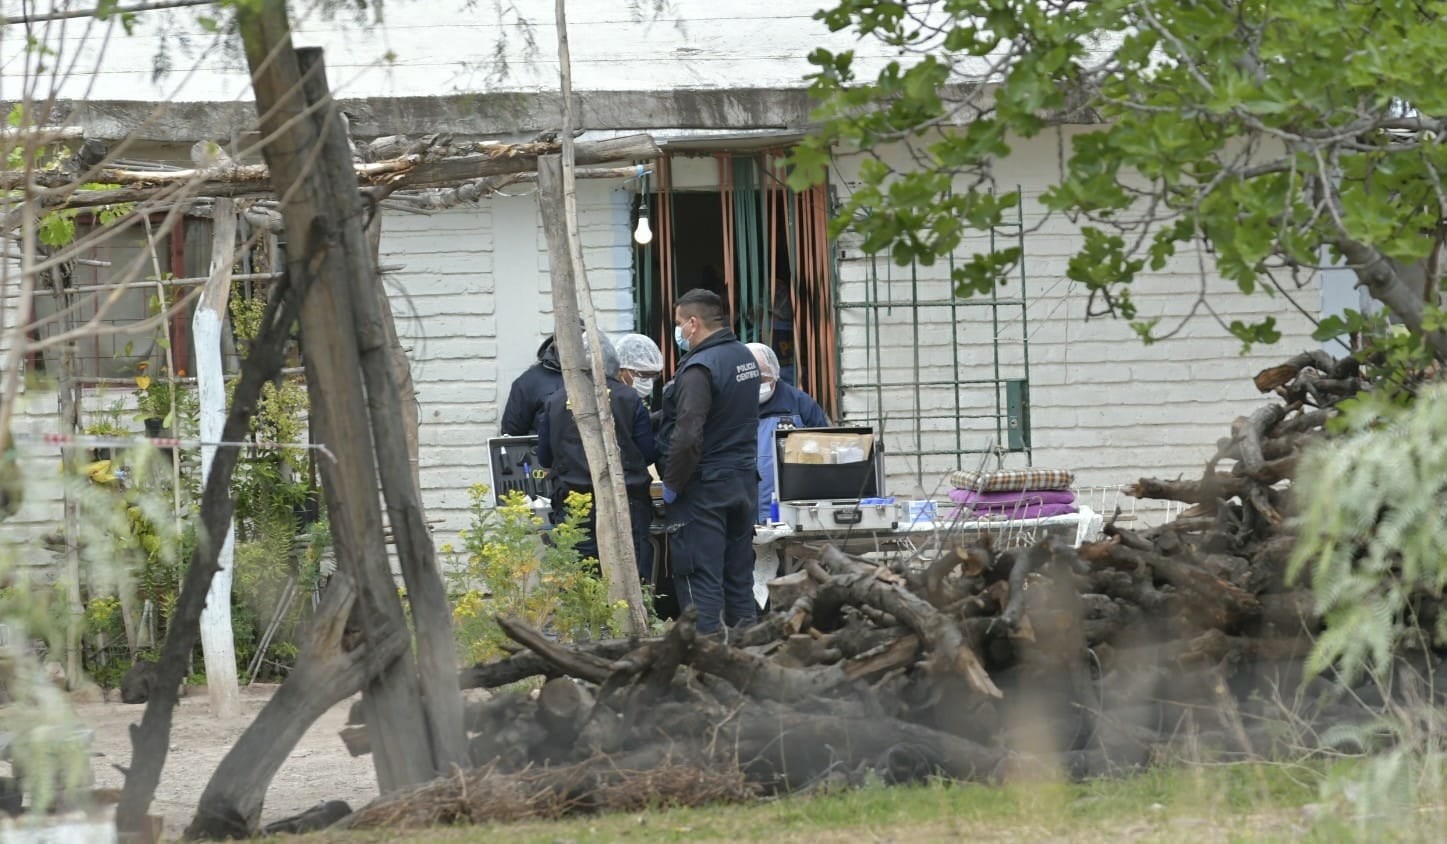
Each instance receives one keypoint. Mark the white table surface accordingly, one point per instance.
(1087, 524)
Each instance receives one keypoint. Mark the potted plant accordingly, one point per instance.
(106, 423)
(153, 402)
(163, 405)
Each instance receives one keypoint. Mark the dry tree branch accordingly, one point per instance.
(70, 14)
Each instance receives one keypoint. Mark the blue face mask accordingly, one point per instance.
(679, 338)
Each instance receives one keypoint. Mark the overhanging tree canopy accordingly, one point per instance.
(1282, 135)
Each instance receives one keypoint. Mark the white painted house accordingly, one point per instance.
(721, 86)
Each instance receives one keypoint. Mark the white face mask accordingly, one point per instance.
(766, 391)
(643, 386)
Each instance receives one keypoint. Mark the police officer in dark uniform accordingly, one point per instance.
(707, 437)
(524, 408)
(560, 449)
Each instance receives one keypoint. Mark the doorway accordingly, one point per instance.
(764, 249)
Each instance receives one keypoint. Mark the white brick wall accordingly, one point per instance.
(1103, 403)
(473, 301)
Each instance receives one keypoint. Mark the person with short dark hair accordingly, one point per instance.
(707, 440)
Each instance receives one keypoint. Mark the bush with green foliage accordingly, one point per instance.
(1372, 531)
(510, 571)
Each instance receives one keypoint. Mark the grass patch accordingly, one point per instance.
(1226, 803)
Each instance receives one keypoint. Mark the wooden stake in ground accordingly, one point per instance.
(441, 704)
(401, 368)
(325, 242)
(217, 643)
(558, 199)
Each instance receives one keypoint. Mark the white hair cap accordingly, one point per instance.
(639, 353)
(768, 361)
(610, 357)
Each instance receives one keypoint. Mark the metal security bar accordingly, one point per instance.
(944, 379)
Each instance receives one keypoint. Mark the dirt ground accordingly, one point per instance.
(318, 769)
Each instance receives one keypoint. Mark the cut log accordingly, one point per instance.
(896, 654)
(520, 666)
(1208, 490)
(1279, 376)
(785, 590)
(950, 653)
(563, 707)
(653, 665)
(761, 678)
(1218, 602)
(578, 664)
(1254, 431)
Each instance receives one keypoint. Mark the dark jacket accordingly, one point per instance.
(789, 400)
(711, 413)
(560, 444)
(524, 407)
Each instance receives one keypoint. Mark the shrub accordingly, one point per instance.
(509, 570)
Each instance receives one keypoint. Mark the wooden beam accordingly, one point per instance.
(412, 172)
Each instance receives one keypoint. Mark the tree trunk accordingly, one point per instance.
(441, 700)
(324, 235)
(70, 423)
(610, 498)
(1386, 286)
(401, 367)
(151, 740)
(217, 643)
(590, 405)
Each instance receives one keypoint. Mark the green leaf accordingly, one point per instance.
(57, 229)
(1251, 333)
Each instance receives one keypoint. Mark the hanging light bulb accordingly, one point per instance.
(643, 235)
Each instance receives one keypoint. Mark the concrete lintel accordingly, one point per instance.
(505, 115)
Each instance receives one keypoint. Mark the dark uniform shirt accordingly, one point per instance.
(710, 412)
(789, 400)
(560, 444)
(524, 408)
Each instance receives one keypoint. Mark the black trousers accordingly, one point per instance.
(711, 548)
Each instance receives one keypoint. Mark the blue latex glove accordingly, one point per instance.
(669, 496)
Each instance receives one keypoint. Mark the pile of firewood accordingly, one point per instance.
(1181, 641)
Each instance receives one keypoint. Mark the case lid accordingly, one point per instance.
(514, 462)
(827, 464)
